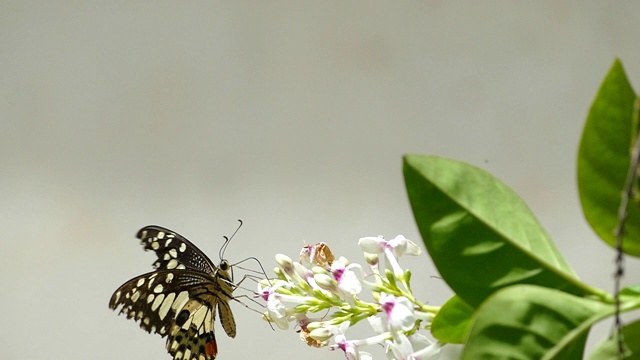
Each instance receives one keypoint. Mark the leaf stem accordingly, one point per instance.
(619, 231)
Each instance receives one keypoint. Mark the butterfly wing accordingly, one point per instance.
(180, 304)
(173, 250)
(153, 298)
(189, 345)
(226, 318)
(192, 336)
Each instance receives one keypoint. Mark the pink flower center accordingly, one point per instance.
(388, 307)
(337, 274)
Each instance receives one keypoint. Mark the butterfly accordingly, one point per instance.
(180, 297)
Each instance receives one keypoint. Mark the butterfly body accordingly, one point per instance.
(181, 298)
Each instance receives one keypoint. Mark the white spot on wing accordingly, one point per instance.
(140, 282)
(169, 278)
(166, 305)
(150, 298)
(117, 296)
(158, 288)
(157, 302)
(183, 247)
(168, 242)
(182, 299)
(172, 264)
(199, 315)
(161, 235)
(173, 253)
(155, 245)
(135, 296)
(174, 345)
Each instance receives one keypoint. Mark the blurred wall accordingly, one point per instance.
(292, 116)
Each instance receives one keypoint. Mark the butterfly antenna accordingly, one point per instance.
(223, 248)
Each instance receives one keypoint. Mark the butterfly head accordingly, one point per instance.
(224, 265)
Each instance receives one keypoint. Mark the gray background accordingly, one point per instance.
(291, 116)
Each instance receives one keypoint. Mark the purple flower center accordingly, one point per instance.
(337, 274)
(388, 307)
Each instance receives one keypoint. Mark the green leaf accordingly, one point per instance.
(479, 233)
(533, 322)
(608, 349)
(631, 291)
(452, 322)
(603, 160)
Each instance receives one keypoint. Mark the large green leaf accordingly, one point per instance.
(533, 322)
(603, 160)
(632, 292)
(479, 233)
(453, 321)
(608, 349)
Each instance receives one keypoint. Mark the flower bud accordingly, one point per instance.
(371, 259)
(319, 270)
(284, 262)
(321, 334)
(325, 281)
(344, 260)
(315, 325)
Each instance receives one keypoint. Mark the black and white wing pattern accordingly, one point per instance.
(179, 303)
(173, 250)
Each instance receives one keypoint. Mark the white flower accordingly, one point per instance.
(399, 245)
(346, 279)
(400, 348)
(351, 347)
(393, 248)
(428, 352)
(372, 245)
(399, 312)
(276, 310)
(415, 347)
(321, 284)
(403, 246)
(277, 313)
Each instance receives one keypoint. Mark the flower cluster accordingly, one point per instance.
(321, 295)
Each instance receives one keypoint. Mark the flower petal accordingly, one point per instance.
(372, 245)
